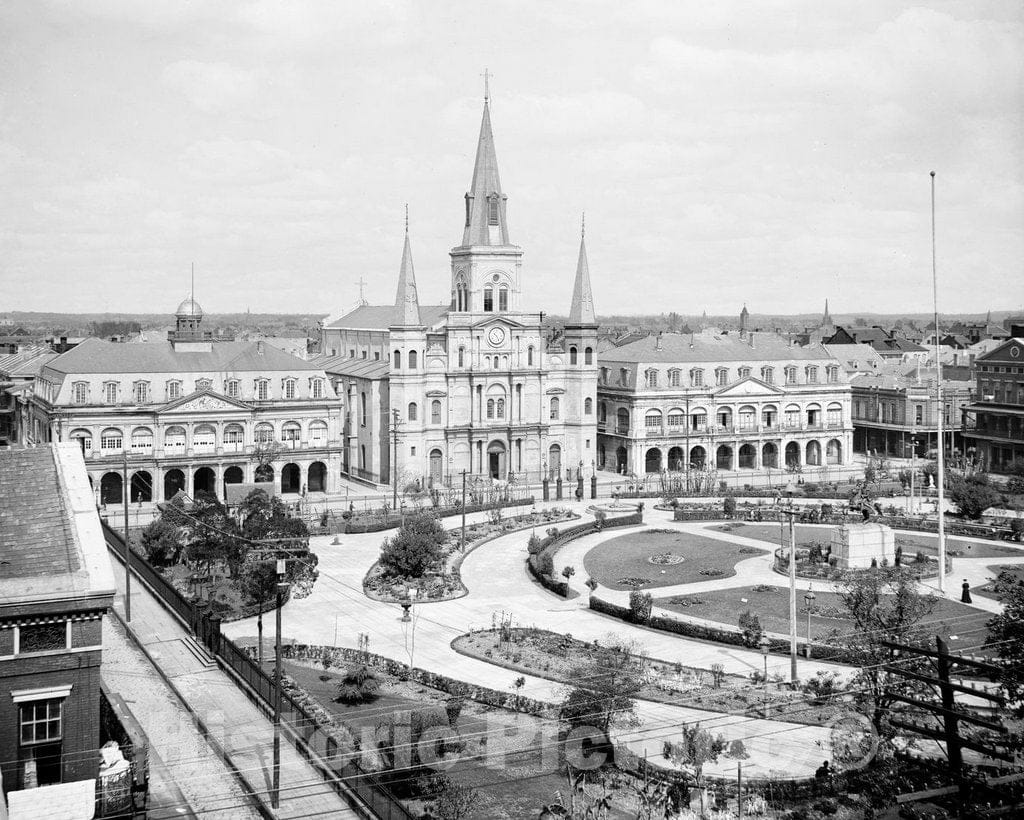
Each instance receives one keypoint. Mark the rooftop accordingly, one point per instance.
(51, 544)
(381, 317)
(99, 356)
(347, 366)
(707, 348)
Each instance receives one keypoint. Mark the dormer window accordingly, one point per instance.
(262, 389)
(790, 375)
(696, 377)
(81, 392)
(141, 391)
(231, 388)
(203, 384)
(110, 392)
(768, 375)
(812, 375)
(492, 209)
(173, 389)
(651, 377)
(832, 374)
(624, 377)
(673, 377)
(744, 372)
(317, 388)
(721, 376)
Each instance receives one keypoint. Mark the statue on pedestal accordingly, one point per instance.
(860, 502)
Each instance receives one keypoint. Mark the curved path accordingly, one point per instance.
(495, 573)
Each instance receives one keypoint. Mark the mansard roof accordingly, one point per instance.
(100, 356)
(710, 349)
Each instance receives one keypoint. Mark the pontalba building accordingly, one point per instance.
(744, 408)
(471, 384)
(190, 413)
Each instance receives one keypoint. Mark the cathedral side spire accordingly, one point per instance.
(485, 202)
(406, 298)
(581, 311)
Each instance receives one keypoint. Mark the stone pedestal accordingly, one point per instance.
(855, 545)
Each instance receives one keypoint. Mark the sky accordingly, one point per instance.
(773, 153)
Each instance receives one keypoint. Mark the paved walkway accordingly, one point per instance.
(235, 724)
(187, 778)
(496, 576)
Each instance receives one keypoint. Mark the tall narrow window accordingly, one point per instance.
(435, 411)
(529, 356)
(500, 408)
(488, 299)
(503, 298)
(554, 408)
(490, 408)
(412, 359)
(462, 357)
(362, 409)
(588, 356)
(110, 392)
(492, 210)
(289, 388)
(398, 360)
(231, 388)
(572, 355)
(588, 407)
(262, 389)
(412, 411)
(141, 392)
(81, 392)
(317, 388)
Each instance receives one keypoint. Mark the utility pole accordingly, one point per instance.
(127, 542)
(940, 476)
(463, 542)
(275, 794)
(394, 468)
(946, 708)
(792, 594)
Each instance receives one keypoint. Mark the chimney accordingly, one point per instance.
(259, 348)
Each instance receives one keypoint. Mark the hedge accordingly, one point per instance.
(706, 632)
(354, 526)
(435, 680)
(552, 543)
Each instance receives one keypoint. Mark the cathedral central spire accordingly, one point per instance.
(485, 202)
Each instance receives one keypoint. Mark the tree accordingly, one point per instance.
(266, 519)
(568, 572)
(972, 494)
(1006, 631)
(416, 548)
(212, 536)
(884, 603)
(729, 506)
(694, 750)
(162, 541)
(359, 685)
(605, 695)
(750, 626)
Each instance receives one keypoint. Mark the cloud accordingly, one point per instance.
(235, 162)
(211, 86)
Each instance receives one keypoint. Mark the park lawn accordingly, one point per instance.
(989, 589)
(772, 608)
(623, 561)
(911, 542)
(516, 786)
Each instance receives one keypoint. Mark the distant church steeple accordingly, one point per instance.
(744, 315)
(406, 298)
(581, 311)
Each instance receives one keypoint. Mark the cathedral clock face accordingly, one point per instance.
(496, 336)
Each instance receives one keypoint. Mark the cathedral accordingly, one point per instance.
(472, 385)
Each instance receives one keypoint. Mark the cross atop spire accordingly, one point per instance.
(406, 218)
(583, 224)
(487, 86)
(581, 311)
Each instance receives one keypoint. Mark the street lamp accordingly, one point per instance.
(282, 587)
(765, 644)
(791, 512)
(809, 597)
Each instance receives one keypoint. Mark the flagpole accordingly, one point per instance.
(940, 477)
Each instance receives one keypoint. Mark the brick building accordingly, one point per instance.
(55, 586)
(997, 437)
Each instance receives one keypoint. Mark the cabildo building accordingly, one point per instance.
(746, 408)
(190, 413)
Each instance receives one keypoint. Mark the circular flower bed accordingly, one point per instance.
(665, 558)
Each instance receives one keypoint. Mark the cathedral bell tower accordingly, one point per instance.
(486, 266)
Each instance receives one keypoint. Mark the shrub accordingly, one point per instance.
(416, 548)
(640, 604)
(750, 626)
(821, 688)
(972, 494)
(729, 506)
(568, 572)
(545, 563)
(534, 545)
(359, 685)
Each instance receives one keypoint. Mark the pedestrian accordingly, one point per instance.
(965, 596)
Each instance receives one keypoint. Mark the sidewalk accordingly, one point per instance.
(187, 778)
(235, 724)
